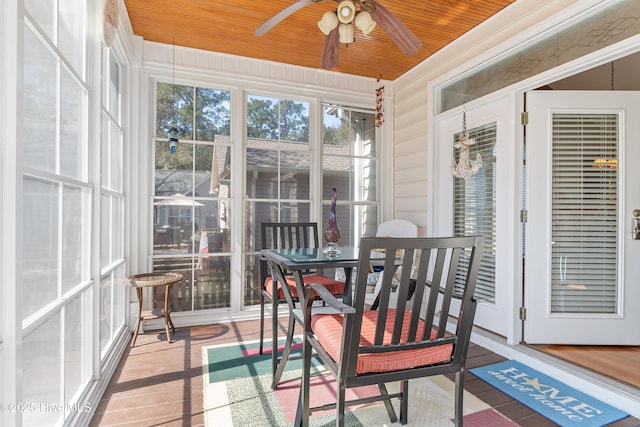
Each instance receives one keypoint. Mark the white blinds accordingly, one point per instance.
(584, 231)
(474, 205)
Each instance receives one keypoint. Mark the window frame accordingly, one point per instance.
(197, 290)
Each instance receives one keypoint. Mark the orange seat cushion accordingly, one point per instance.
(334, 286)
(328, 331)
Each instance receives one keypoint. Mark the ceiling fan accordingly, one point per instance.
(339, 26)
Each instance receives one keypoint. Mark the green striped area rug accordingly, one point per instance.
(237, 392)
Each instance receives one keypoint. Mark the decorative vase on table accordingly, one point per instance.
(332, 232)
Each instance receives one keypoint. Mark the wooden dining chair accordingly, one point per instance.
(291, 235)
(428, 335)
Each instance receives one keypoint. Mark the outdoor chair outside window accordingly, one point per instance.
(280, 235)
(402, 340)
(391, 228)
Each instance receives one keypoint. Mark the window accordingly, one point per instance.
(192, 195)
(559, 46)
(280, 165)
(57, 195)
(112, 261)
(2, 160)
(278, 172)
(349, 164)
(283, 166)
(474, 205)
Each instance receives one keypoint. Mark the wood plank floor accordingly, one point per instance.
(621, 363)
(160, 384)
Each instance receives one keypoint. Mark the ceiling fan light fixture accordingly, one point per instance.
(328, 22)
(365, 22)
(346, 11)
(347, 33)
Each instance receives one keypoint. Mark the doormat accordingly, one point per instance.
(237, 392)
(550, 398)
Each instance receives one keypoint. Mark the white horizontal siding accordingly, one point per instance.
(414, 102)
(249, 68)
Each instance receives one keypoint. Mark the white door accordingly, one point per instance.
(482, 204)
(582, 273)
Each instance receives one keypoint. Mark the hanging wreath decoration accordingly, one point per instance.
(379, 107)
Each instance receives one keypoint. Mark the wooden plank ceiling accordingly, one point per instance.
(228, 26)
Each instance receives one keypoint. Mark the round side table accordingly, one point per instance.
(145, 280)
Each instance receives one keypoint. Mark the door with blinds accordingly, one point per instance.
(481, 204)
(582, 273)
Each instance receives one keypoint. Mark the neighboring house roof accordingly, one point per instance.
(338, 157)
(294, 155)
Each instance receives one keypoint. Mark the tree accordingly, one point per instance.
(213, 113)
(277, 119)
(212, 117)
(339, 134)
(294, 121)
(261, 122)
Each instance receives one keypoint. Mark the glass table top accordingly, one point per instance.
(347, 253)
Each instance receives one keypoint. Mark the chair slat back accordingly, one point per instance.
(444, 272)
(287, 235)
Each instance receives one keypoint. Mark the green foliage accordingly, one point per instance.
(341, 131)
(213, 113)
(294, 121)
(267, 118)
(185, 159)
(176, 102)
(180, 161)
(212, 117)
(260, 119)
(336, 135)
(277, 119)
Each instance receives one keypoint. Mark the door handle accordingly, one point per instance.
(635, 225)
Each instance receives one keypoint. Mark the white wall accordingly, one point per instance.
(414, 105)
(414, 141)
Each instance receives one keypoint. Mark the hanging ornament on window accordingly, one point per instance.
(465, 168)
(172, 135)
(379, 111)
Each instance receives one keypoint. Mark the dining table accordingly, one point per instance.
(297, 262)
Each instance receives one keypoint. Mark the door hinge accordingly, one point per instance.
(524, 118)
(523, 313)
(524, 216)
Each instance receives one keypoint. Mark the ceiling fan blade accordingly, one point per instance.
(331, 50)
(280, 16)
(399, 33)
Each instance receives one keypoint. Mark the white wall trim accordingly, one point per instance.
(11, 215)
(220, 65)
